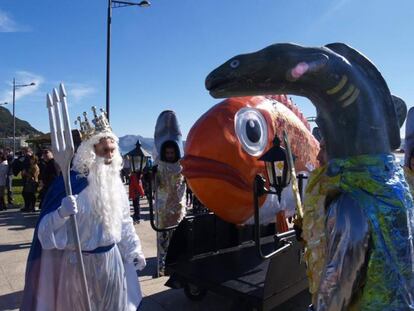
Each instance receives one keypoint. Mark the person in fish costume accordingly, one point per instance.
(169, 182)
(222, 155)
(358, 223)
(111, 248)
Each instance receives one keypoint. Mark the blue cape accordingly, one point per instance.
(52, 201)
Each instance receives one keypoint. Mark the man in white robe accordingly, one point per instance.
(111, 248)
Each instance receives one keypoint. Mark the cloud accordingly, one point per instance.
(8, 24)
(78, 92)
(333, 9)
(22, 78)
(326, 16)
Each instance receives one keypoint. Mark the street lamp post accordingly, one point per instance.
(114, 4)
(16, 86)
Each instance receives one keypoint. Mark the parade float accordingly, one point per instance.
(359, 218)
(238, 249)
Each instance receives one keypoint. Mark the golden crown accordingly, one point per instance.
(100, 124)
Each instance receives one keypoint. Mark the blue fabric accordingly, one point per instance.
(52, 201)
(100, 250)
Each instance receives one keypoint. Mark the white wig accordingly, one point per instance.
(85, 155)
(104, 182)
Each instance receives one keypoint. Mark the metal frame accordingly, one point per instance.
(295, 186)
(186, 269)
(259, 190)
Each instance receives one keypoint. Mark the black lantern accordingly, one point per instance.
(277, 167)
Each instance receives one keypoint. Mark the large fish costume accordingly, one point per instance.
(224, 146)
(358, 222)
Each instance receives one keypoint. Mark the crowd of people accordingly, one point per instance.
(37, 172)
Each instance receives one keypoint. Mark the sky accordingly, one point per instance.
(161, 55)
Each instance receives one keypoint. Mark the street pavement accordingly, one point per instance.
(16, 233)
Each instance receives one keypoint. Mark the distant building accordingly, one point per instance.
(8, 142)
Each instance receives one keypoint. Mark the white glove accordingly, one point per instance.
(68, 206)
(139, 263)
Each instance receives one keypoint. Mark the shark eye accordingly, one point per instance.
(234, 63)
(251, 130)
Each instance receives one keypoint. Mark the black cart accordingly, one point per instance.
(252, 264)
(209, 254)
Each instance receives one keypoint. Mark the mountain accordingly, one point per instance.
(127, 143)
(23, 128)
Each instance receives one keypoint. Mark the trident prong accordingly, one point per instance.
(67, 132)
(58, 121)
(52, 123)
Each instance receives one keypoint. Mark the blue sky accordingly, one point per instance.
(162, 54)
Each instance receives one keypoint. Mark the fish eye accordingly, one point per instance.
(234, 63)
(251, 130)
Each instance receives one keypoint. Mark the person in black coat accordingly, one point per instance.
(49, 170)
(9, 180)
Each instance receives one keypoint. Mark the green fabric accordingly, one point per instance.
(378, 184)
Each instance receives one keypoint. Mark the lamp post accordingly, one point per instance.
(16, 86)
(115, 4)
(279, 175)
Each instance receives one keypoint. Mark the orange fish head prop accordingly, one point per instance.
(222, 152)
(224, 146)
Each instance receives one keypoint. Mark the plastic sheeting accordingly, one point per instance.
(378, 185)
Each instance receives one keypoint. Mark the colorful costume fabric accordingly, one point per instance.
(169, 204)
(378, 187)
(409, 177)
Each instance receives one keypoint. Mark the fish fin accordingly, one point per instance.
(400, 109)
(359, 60)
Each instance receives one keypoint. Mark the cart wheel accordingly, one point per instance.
(194, 292)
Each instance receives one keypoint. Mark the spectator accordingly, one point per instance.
(49, 170)
(30, 178)
(9, 181)
(22, 162)
(147, 180)
(4, 169)
(126, 169)
(135, 192)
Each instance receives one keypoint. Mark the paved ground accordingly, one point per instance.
(16, 232)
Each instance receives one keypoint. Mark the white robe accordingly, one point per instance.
(112, 280)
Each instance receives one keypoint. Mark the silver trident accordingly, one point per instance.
(63, 150)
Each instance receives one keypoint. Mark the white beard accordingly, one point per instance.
(104, 192)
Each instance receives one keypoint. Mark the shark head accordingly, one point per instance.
(167, 128)
(355, 110)
(272, 70)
